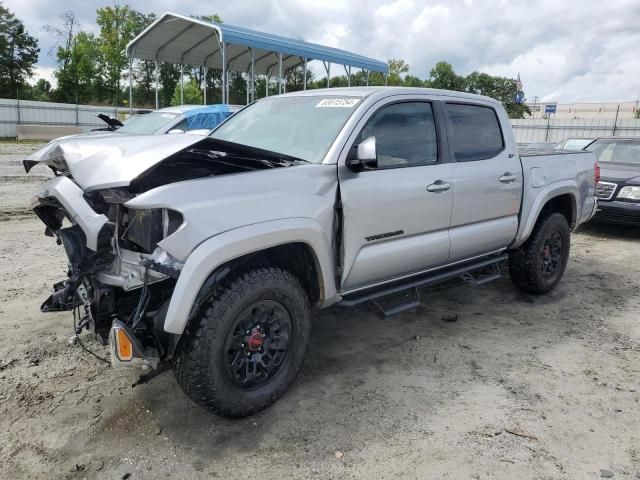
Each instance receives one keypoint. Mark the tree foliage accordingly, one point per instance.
(78, 74)
(18, 54)
(117, 28)
(443, 76)
(397, 68)
(192, 94)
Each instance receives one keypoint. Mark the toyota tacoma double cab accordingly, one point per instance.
(206, 255)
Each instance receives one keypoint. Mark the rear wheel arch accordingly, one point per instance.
(565, 204)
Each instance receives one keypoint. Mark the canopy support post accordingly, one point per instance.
(266, 84)
(328, 74)
(253, 76)
(304, 75)
(385, 79)
(280, 73)
(181, 84)
(368, 72)
(224, 73)
(157, 85)
(204, 101)
(348, 72)
(130, 85)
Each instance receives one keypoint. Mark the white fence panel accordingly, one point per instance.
(26, 112)
(541, 130)
(530, 130)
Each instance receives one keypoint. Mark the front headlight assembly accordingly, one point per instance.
(629, 193)
(142, 230)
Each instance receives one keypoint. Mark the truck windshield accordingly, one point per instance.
(301, 127)
(616, 151)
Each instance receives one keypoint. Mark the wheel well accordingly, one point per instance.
(563, 204)
(297, 258)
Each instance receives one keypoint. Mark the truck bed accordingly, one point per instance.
(539, 152)
(546, 172)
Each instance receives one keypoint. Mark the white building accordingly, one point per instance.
(608, 110)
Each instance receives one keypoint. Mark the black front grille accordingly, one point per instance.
(617, 216)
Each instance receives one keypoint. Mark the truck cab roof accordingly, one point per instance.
(382, 92)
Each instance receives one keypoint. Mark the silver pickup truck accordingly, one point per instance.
(207, 255)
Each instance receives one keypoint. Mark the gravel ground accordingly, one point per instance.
(517, 387)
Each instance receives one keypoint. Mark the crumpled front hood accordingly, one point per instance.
(97, 162)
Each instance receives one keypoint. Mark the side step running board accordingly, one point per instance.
(474, 273)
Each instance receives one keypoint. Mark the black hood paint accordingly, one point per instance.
(210, 157)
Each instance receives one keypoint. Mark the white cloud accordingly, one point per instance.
(44, 72)
(564, 50)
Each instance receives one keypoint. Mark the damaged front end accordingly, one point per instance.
(119, 281)
(124, 245)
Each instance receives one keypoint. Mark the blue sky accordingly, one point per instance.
(564, 50)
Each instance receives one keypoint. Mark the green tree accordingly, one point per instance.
(64, 34)
(18, 54)
(443, 76)
(501, 88)
(78, 75)
(169, 79)
(411, 81)
(144, 71)
(397, 68)
(117, 28)
(41, 91)
(192, 94)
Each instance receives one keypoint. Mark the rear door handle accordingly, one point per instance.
(439, 186)
(508, 177)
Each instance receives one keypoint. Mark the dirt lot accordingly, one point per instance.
(518, 387)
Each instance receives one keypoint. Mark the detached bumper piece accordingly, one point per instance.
(127, 351)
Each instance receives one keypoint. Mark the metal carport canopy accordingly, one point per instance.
(179, 39)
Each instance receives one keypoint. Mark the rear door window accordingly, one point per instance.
(475, 132)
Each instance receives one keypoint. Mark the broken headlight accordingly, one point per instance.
(142, 230)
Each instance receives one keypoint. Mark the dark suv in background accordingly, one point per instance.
(618, 191)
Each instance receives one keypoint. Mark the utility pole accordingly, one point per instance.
(535, 102)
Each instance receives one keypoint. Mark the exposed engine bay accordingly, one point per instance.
(120, 280)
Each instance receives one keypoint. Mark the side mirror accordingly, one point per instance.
(175, 130)
(366, 156)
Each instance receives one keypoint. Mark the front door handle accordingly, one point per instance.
(439, 186)
(508, 177)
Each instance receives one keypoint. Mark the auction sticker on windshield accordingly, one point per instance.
(338, 102)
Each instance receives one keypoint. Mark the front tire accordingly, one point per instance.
(247, 344)
(538, 265)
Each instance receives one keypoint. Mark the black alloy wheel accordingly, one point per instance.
(258, 344)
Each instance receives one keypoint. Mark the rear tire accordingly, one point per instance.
(538, 265)
(247, 344)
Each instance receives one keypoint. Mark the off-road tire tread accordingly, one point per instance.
(191, 366)
(523, 262)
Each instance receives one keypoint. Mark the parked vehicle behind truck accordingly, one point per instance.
(618, 191)
(207, 255)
